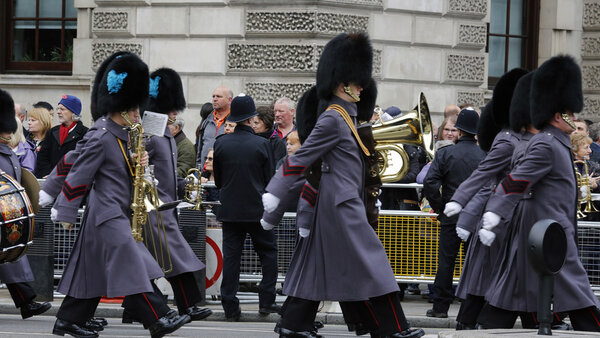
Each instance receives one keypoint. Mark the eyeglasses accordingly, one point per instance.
(209, 158)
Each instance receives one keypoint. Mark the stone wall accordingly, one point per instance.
(590, 53)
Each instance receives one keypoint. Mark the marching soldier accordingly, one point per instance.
(16, 275)
(106, 260)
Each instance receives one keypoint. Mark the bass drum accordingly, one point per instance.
(17, 219)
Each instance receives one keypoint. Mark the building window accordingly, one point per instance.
(512, 36)
(40, 36)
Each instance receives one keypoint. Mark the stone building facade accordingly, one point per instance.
(271, 48)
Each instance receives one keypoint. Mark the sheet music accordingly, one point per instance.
(154, 123)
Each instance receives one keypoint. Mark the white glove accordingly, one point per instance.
(461, 233)
(584, 191)
(378, 204)
(490, 220)
(452, 208)
(303, 232)
(486, 237)
(265, 225)
(270, 202)
(44, 199)
(53, 214)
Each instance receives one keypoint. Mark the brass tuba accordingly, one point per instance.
(412, 128)
(583, 180)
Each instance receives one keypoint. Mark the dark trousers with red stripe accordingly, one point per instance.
(383, 314)
(21, 293)
(185, 290)
(77, 310)
(147, 306)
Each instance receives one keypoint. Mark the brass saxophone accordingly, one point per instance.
(139, 204)
(584, 180)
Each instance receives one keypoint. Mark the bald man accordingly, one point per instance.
(214, 124)
(451, 109)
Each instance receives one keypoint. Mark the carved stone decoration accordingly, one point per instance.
(303, 22)
(474, 97)
(591, 16)
(465, 68)
(354, 3)
(102, 50)
(591, 77)
(472, 35)
(591, 107)
(268, 92)
(590, 47)
(475, 8)
(110, 21)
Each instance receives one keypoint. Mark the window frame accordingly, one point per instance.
(34, 67)
(531, 37)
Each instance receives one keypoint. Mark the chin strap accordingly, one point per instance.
(349, 91)
(568, 120)
(170, 121)
(5, 139)
(126, 117)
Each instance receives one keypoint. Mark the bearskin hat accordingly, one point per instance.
(346, 58)
(99, 74)
(519, 105)
(487, 127)
(123, 86)
(8, 123)
(368, 98)
(308, 109)
(166, 92)
(501, 97)
(555, 88)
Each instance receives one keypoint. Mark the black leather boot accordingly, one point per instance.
(408, 333)
(166, 325)
(196, 313)
(62, 327)
(34, 309)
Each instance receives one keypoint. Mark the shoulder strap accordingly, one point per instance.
(348, 120)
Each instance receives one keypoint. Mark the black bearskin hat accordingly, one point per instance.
(99, 74)
(503, 92)
(555, 88)
(8, 124)
(123, 86)
(487, 127)
(346, 58)
(308, 109)
(166, 92)
(368, 98)
(519, 105)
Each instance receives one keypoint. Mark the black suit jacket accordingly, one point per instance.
(242, 166)
(52, 151)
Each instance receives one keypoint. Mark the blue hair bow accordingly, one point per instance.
(154, 87)
(114, 81)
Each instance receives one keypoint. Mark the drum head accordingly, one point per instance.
(32, 188)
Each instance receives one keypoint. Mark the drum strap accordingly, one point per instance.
(348, 120)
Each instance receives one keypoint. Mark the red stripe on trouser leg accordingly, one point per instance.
(557, 317)
(395, 315)
(372, 314)
(183, 293)
(150, 304)
(19, 292)
(594, 316)
(534, 319)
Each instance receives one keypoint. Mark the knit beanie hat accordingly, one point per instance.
(72, 103)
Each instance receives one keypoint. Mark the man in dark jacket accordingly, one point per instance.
(242, 168)
(450, 167)
(62, 138)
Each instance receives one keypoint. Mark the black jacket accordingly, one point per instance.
(277, 145)
(242, 165)
(51, 151)
(451, 166)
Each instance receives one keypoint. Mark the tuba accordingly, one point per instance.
(412, 128)
(583, 180)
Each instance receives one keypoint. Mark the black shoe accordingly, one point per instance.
(166, 325)
(408, 333)
(34, 309)
(272, 308)
(432, 313)
(234, 317)
(463, 326)
(100, 320)
(196, 313)
(62, 327)
(91, 325)
(283, 332)
(318, 325)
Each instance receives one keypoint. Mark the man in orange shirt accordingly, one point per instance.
(214, 124)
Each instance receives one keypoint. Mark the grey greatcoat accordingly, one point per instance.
(19, 271)
(480, 259)
(162, 153)
(105, 260)
(342, 259)
(542, 185)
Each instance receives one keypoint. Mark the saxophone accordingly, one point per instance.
(141, 187)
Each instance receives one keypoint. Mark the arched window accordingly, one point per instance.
(40, 36)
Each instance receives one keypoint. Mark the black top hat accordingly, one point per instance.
(519, 105)
(467, 121)
(123, 86)
(8, 124)
(166, 91)
(242, 108)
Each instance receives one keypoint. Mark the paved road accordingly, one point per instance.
(14, 326)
